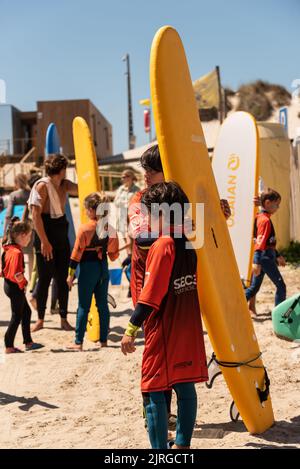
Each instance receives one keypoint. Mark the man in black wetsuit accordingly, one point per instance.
(47, 202)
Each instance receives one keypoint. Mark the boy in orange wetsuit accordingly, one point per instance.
(90, 252)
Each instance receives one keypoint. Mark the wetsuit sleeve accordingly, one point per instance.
(140, 313)
(263, 233)
(159, 267)
(113, 245)
(79, 247)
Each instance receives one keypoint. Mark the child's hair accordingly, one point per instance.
(271, 195)
(93, 201)
(166, 193)
(22, 181)
(55, 163)
(15, 228)
(150, 159)
(33, 179)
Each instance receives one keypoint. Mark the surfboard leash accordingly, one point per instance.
(262, 394)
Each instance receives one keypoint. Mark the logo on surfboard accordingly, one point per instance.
(233, 165)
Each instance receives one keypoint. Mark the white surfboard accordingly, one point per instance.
(236, 166)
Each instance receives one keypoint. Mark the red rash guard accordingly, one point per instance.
(139, 253)
(13, 265)
(174, 346)
(264, 232)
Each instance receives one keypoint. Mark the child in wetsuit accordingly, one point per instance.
(18, 236)
(90, 251)
(168, 308)
(266, 258)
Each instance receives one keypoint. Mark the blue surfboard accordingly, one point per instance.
(17, 212)
(53, 146)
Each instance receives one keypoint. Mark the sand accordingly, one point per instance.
(53, 398)
(91, 399)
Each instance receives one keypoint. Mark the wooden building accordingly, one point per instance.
(22, 131)
(62, 114)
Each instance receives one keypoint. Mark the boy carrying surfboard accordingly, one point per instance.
(152, 166)
(174, 356)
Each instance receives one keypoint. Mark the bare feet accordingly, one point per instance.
(38, 325)
(13, 350)
(180, 447)
(74, 347)
(101, 344)
(66, 326)
(252, 306)
(33, 302)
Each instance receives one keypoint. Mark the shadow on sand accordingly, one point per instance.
(27, 403)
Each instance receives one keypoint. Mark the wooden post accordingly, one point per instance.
(225, 103)
(221, 117)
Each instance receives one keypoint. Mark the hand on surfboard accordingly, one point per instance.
(257, 201)
(225, 208)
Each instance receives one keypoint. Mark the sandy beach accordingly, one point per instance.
(56, 399)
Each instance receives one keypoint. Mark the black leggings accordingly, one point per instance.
(20, 313)
(56, 268)
(53, 293)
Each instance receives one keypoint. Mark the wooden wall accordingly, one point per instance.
(62, 113)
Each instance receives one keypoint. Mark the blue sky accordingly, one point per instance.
(73, 49)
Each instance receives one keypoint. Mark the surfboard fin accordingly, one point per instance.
(111, 301)
(234, 413)
(213, 371)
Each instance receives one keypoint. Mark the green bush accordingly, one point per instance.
(261, 98)
(292, 253)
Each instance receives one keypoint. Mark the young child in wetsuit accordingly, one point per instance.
(18, 236)
(90, 251)
(266, 258)
(168, 308)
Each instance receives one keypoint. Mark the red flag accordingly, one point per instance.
(147, 123)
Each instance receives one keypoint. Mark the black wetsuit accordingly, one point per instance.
(56, 230)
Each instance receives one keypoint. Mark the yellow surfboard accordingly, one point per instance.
(185, 160)
(88, 182)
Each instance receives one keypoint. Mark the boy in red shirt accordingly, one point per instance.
(266, 258)
(168, 307)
